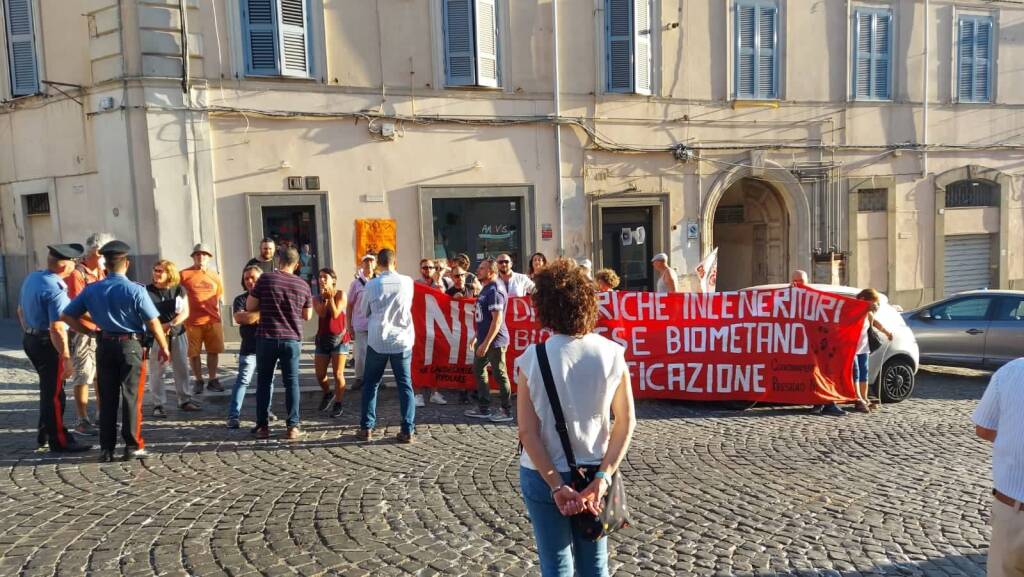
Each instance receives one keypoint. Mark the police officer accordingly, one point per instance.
(123, 312)
(43, 298)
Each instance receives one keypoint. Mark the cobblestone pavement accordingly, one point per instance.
(768, 491)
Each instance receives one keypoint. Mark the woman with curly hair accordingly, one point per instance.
(592, 380)
(606, 280)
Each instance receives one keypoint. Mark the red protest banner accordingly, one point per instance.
(791, 345)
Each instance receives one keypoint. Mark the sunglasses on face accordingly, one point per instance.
(427, 268)
(503, 261)
(159, 270)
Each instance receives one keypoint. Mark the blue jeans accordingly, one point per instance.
(269, 352)
(401, 365)
(562, 553)
(860, 368)
(246, 368)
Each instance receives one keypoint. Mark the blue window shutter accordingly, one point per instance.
(619, 47)
(872, 44)
(983, 60)
(459, 56)
(965, 66)
(487, 43)
(746, 56)
(642, 46)
(21, 48)
(881, 42)
(767, 54)
(259, 19)
(293, 38)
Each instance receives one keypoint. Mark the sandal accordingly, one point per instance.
(863, 407)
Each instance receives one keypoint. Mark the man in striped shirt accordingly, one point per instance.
(999, 419)
(284, 303)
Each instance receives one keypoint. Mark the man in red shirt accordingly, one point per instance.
(83, 346)
(205, 292)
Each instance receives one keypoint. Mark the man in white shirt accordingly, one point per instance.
(515, 284)
(356, 314)
(998, 419)
(387, 301)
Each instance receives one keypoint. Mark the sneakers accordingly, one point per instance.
(261, 432)
(190, 407)
(106, 456)
(197, 387)
(419, 401)
(130, 454)
(817, 409)
(159, 412)
(84, 427)
(72, 447)
(478, 413)
(294, 434)
(501, 416)
(215, 386)
(405, 438)
(271, 417)
(325, 401)
(833, 410)
(337, 410)
(365, 435)
(436, 398)
(234, 423)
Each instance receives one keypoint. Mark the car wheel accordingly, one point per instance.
(897, 380)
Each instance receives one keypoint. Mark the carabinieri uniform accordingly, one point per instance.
(43, 298)
(121, 309)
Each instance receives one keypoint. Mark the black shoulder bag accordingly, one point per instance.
(614, 515)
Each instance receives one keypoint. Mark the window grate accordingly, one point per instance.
(729, 215)
(37, 204)
(872, 199)
(970, 193)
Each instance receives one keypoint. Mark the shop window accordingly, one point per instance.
(479, 227)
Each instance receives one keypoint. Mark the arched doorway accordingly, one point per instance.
(751, 231)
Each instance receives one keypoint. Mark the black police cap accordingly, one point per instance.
(66, 251)
(115, 248)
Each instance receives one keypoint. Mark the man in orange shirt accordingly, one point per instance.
(83, 346)
(205, 292)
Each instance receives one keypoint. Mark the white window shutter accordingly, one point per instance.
(293, 38)
(21, 48)
(487, 43)
(746, 57)
(459, 52)
(642, 46)
(259, 18)
(767, 19)
(619, 45)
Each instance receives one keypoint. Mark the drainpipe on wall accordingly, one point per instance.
(924, 111)
(558, 128)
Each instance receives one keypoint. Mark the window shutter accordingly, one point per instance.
(487, 43)
(258, 17)
(880, 46)
(642, 46)
(965, 76)
(766, 52)
(746, 61)
(460, 68)
(982, 60)
(862, 64)
(21, 48)
(293, 38)
(619, 50)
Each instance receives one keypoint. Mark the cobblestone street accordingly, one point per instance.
(767, 491)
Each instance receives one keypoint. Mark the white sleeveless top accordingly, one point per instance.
(587, 371)
(661, 288)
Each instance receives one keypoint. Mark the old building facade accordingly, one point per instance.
(873, 142)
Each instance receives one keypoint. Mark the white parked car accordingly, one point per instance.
(893, 366)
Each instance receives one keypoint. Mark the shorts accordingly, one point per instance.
(331, 346)
(209, 337)
(83, 359)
